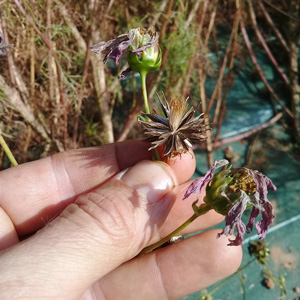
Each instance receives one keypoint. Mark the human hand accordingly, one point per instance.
(88, 219)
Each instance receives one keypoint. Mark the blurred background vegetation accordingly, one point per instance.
(55, 94)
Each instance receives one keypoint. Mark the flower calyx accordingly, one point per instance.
(145, 54)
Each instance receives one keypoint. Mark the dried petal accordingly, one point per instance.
(124, 73)
(263, 184)
(267, 217)
(234, 219)
(241, 229)
(139, 42)
(115, 47)
(199, 183)
(254, 213)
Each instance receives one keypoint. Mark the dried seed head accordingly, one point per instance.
(176, 130)
(178, 108)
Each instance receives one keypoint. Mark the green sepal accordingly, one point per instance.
(149, 60)
(214, 190)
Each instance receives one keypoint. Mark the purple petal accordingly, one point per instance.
(241, 229)
(254, 213)
(234, 219)
(114, 54)
(267, 217)
(263, 184)
(124, 73)
(115, 47)
(198, 184)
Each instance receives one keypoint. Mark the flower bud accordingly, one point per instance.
(145, 53)
(141, 45)
(260, 251)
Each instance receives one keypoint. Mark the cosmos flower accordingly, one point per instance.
(231, 192)
(142, 46)
(176, 129)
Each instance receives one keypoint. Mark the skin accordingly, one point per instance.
(72, 226)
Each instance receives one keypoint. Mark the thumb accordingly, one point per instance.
(91, 237)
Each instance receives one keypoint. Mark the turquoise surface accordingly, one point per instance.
(284, 235)
(274, 154)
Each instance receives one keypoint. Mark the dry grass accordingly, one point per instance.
(56, 95)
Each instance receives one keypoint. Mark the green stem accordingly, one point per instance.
(278, 283)
(228, 278)
(243, 284)
(144, 89)
(7, 151)
(203, 209)
(155, 154)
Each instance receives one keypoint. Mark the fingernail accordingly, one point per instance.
(152, 180)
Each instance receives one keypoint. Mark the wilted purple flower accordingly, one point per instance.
(231, 192)
(142, 46)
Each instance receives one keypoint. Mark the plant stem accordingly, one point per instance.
(155, 154)
(7, 151)
(228, 278)
(144, 89)
(243, 284)
(203, 209)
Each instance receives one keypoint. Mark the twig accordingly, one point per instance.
(211, 21)
(229, 78)
(251, 151)
(264, 44)
(256, 64)
(59, 78)
(167, 18)
(100, 85)
(131, 120)
(281, 11)
(193, 58)
(192, 14)
(203, 107)
(223, 68)
(7, 151)
(153, 83)
(32, 89)
(25, 111)
(202, 78)
(159, 12)
(82, 47)
(247, 133)
(14, 73)
(270, 21)
(186, 25)
(241, 136)
(294, 30)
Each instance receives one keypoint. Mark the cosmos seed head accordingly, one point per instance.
(176, 130)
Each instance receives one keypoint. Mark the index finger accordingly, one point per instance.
(33, 193)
